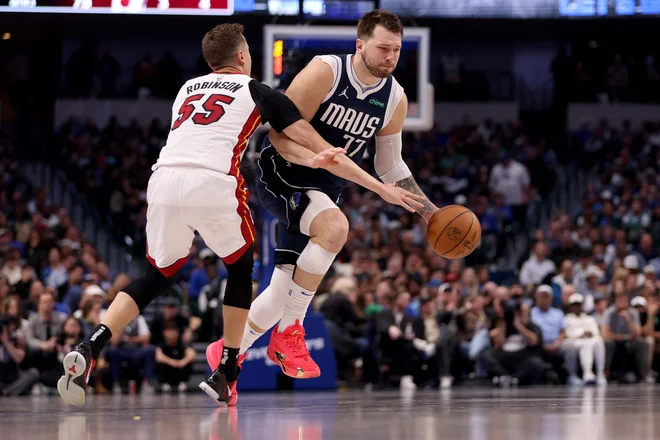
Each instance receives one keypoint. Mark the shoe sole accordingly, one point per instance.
(272, 355)
(74, 367)
(212, 394)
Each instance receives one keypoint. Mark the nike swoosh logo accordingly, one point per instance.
(307, 294)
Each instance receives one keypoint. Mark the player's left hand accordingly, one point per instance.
(399, 196)
(326, 158)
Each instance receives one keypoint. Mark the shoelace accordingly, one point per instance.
(297, 345)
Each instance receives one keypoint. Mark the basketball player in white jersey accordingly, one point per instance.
(352, 100)
(197, 186)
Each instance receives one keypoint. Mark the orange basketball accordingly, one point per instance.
(454, 232)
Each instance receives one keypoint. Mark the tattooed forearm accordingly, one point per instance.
(429, 208)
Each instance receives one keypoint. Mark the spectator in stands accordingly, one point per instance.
(71, 291)
(343, 323)
(600, 307)
(515, 356)
(625, 350)
(14, 380)
(5, 290)
(436, 340)
(71, 334)
(203, 275)
(631, 264)
(55, 274)
(618, 80)
(91, 294)
(537, 267)
(130, 351)
(566, 293)
(593, 287)
(565, 275)
(171, 313)
(43, 330)
(12, 307)
(394, 328)
(552, 323)
(12, 269)
(583, 332)
(28, 275)
(647, 311)
(646, 252)
(175, 360)
(144, 76)
(90, 314)
(511, 179)
(473, 336)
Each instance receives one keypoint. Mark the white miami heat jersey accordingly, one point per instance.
(213, 118)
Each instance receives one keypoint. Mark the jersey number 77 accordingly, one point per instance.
(213, 110)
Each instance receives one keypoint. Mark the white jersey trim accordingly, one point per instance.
(396, 93)
(336, 65)
(363, 91)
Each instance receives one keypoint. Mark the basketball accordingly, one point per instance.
(454, 232)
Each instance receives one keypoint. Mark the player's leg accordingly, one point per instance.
(287, 205)
(223, 356)
(268, 307)
(166, 257)
(223, 220)
(327, 228)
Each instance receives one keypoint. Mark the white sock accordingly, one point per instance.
(314, 260)
(267, 308)
(296, 306)
(249, 336)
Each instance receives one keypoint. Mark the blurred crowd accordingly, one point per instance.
(92, 71)
(596, 74)
(54, 289)
(495, 168)
(583, 307)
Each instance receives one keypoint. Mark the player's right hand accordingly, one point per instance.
(326, 158)
(399, 196)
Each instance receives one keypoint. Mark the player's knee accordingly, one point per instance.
(238, 292)
(148, 287)
(330, 229)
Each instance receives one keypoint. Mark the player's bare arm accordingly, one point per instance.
(307, 91)
(389, 164)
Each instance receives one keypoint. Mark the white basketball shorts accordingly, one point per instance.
(183, 200)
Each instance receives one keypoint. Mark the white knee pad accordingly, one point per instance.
(318, 202)
(315, 260)
(267, 308)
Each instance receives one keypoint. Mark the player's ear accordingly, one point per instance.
(359, 44)
(240, 56)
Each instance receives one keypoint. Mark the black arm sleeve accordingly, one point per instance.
(273, 106)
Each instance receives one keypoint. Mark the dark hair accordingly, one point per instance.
(378, 17)
(221, 43)
(171, 326)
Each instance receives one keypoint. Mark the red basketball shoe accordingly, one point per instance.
(213, 357)
(289, 350)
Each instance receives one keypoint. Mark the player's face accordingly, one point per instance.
(381, 52)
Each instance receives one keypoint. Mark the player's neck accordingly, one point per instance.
(362, 72)
(228, 69)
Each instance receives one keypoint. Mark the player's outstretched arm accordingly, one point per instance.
(345, 168)
(390, 165)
